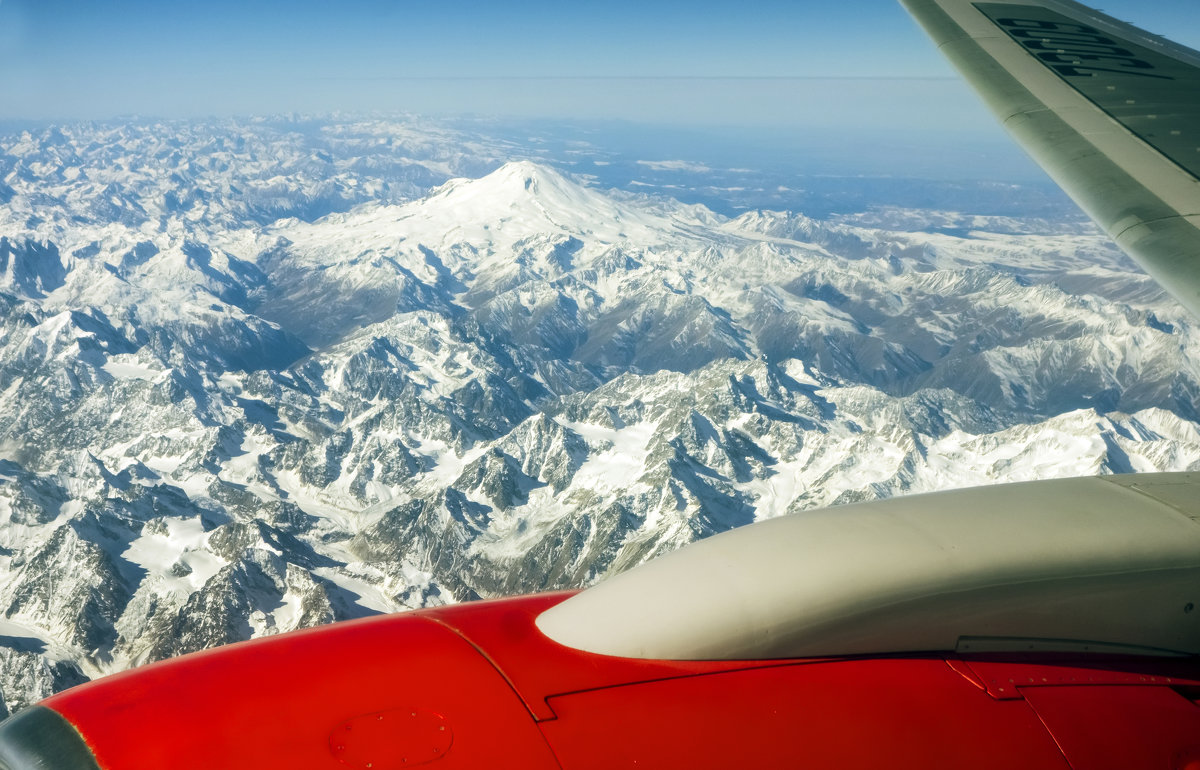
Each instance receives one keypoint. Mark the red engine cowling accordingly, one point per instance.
(477, 685)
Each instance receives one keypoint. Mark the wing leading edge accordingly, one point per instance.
(1111, 112)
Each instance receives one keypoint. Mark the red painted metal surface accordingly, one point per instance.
(854, 714)
(272, 704)
(1113, 727)
(539, 667)
(391, 740)
(1010, 678)
(478, 686)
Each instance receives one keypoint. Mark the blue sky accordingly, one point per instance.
(779, 62)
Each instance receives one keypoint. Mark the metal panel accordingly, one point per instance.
(539, 668)
(1012, 679)
(271, 704)
(1116, 125)
(1150, 93)
(849, 715)
(1075, 564)
(391, 740)
(1121, 727)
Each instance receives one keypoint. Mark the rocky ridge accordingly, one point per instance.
(254, 379)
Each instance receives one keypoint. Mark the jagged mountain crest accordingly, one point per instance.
(290, 377)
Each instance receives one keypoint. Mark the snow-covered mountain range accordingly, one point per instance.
(255, 377)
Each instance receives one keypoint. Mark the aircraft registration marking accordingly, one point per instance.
(1150, 93)
(1069, 48)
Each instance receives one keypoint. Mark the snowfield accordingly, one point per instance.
(256, 376)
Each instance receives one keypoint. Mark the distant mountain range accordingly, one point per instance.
(257, 377)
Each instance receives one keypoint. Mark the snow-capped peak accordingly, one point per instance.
(501, 213)
(514, 382)
(522, 198)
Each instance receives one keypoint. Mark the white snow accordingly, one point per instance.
(183, 543)
(618, 459)
(129, 371)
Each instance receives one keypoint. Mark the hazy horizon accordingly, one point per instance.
(857, 88)
(776, 63)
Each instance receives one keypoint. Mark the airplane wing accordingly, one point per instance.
(1111, 112)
